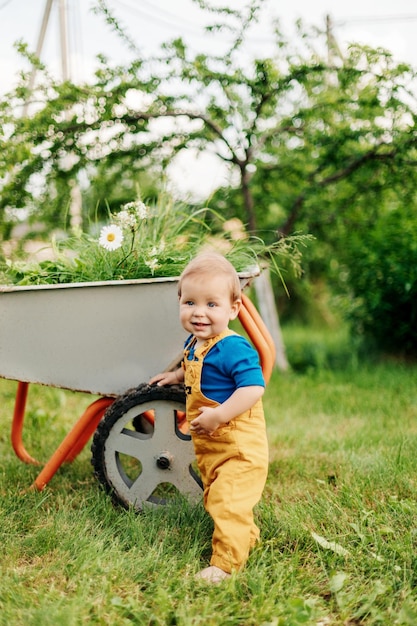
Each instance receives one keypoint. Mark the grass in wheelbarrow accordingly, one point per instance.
(141, 242)
(338, 520)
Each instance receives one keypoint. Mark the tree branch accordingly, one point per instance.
(372, 155)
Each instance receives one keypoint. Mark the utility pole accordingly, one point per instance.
(63, 31)
(333, 49)
(75, 203)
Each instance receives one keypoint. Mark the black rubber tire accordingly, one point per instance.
(123, 429)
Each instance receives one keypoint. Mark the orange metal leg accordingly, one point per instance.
(88, 431)
(74, 441)
(259, 335)
(17, 424)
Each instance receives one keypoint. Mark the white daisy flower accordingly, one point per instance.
(111, 237)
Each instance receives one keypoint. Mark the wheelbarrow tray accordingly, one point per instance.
(101, 338)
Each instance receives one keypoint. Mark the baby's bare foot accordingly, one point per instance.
(213, 574)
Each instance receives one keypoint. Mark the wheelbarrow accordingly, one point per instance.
(103, 338)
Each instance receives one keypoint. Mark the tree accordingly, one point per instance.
(311, 145)
(289, 127)
(381, 263)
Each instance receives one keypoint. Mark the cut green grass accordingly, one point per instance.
(338, 519)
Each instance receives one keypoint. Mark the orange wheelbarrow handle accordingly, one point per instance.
(259, 335)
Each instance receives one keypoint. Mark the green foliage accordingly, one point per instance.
(382, 278)
(309, 349)
(289, 126)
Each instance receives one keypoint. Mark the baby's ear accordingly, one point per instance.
(235, 309)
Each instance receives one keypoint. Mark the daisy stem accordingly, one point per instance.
(132, 243)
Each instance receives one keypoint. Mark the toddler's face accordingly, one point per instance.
(206, 306)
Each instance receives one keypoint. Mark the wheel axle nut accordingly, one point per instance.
(164, 460)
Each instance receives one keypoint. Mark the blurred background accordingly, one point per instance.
(294, 118)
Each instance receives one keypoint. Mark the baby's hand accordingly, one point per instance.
(207, 422)
(165, 378)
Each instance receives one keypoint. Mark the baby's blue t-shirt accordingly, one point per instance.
(231, 363)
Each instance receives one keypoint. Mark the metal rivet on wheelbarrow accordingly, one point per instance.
(164, 460)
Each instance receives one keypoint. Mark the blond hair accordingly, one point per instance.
(213, 264)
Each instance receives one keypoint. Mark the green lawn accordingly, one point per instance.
(338, 519)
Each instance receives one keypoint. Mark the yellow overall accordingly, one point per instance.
(233, 462)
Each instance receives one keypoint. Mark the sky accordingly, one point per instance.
(384, 23)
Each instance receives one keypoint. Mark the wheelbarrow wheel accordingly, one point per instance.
(142, 450)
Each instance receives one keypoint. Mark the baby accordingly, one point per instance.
(224, 386)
